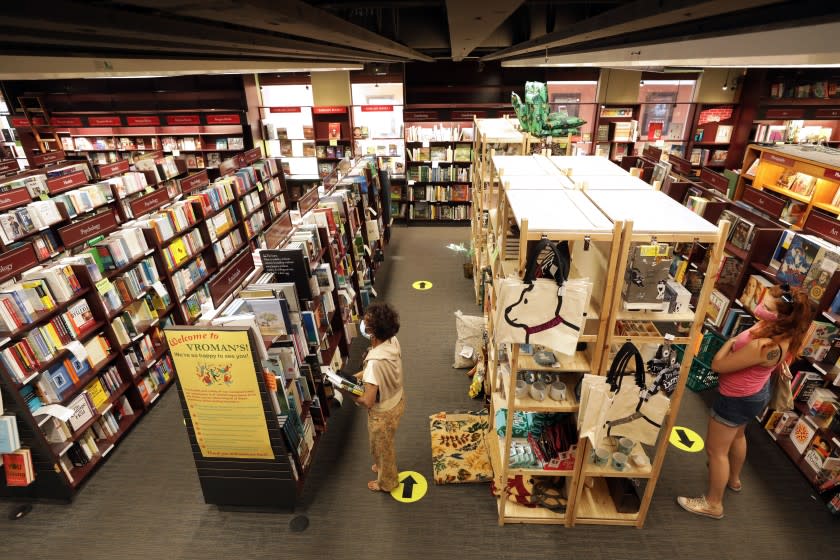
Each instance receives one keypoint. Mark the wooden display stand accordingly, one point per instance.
(647, 216)
(820, 208)
(561, 216)
(601, 223)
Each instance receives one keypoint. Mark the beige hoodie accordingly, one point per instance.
(383, 368)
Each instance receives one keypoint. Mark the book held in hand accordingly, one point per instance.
(343, 383)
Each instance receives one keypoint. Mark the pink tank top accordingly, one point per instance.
(747, 381)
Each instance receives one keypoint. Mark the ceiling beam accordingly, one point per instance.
(291, 17)
(637, 16)
(812, 45)
(57, 67)
(96, 24)
(473, 21)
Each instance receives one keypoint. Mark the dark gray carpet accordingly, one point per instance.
(146, 502)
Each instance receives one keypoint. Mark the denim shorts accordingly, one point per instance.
(737, 411)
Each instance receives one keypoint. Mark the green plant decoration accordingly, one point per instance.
(535, 116)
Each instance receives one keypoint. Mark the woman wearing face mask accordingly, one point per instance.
(382, 375)
(744, 365)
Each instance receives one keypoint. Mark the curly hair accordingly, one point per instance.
(382, 320)
(794, 320)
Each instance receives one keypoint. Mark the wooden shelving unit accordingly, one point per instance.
(647, 216)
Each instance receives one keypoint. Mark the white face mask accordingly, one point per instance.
(363, 329)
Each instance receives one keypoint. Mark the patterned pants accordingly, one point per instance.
(382, 426)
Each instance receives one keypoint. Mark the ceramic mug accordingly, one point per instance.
(521, 389)
(538, 391)
(557, 391)
(625, 445)
(600, 456)
(619, 461)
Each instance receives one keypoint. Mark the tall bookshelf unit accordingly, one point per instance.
(130, 297)
(438, 167)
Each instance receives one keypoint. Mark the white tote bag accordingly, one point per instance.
(550, 312)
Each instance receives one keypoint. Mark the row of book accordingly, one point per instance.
(445, 154)
(427, 211)
(215, 196)
(438, 133)
(439, 193)
(158, 375)
(431, 173)
(250, 202)
(128, 183)
(36, 182)
(228, 245)
(182, 248)
(184, 279)
(255, 224)
(221, 223)
(170, 221)
(162, 168)
(706, 156)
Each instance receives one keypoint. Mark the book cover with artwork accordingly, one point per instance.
(819, 275)
(797, 261)
(729, 275)
(334, 131)
(802, 434)
(741, 235)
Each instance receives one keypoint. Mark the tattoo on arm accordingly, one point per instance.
(774, 355)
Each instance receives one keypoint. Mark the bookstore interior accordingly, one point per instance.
(223, 233)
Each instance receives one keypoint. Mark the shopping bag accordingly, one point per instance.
(637, 411)
(595, 400)
(781, 398)
(549, 311)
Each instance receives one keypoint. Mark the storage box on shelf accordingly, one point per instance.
(648, 217)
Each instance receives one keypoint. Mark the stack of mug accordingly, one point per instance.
(601, 456)
(539, 385)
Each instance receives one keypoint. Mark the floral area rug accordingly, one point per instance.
(458, 451)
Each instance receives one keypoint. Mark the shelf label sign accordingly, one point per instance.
(278, 231)
(150, 120)
(17, 261)
(414, 116)
(195, 181)
(680, 165)
(422, 285)
(787, 162)
(715, 180)
(686, 439)
(8, 166)
(308, 201)
(66, 182)
(225, 282)
(285, 110)
(78, 233)
(329, 110)
(832, 174)
(216, 372)
(19, 122)
(14, 197)
(175, 120)
(146, 204)
(413, 486)
(652, 152)
(223, 119)
(105, 121)
(377, 108)
(41, 160)
(251, 156)
(66, 121)
(468, 115)
(112, 169)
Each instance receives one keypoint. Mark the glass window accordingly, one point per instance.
(576, 99)
(377, 94)
(665, 103)
(287, 96)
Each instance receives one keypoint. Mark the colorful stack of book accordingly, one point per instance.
(170, 221)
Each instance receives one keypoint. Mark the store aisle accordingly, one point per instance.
(146, 501)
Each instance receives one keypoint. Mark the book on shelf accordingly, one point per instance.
(818, 340)
(18, 468)
(334, 131)
(754, 290)
(798, 260)
(729, 274)
(717, 307)
(804, 383)
(9, 436)
(741, 234)
(822, 269)
(802, 434)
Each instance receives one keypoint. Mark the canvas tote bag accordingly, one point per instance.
(637, 411)
(546, 311)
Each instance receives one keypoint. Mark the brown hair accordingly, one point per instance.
(382, 320)
(794, 310)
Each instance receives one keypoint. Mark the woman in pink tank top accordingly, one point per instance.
(745, 365)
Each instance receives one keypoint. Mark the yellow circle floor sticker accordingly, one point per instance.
(686, 439)
(422, 285)
(413, 487)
